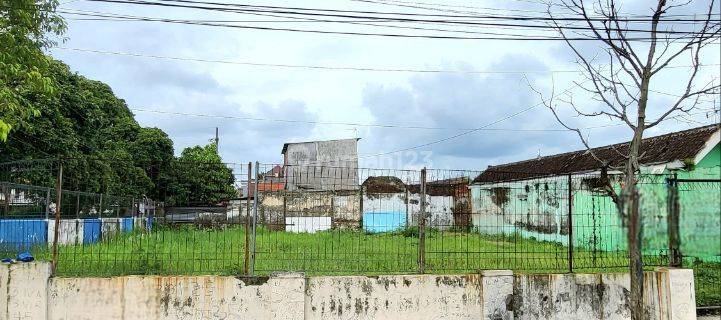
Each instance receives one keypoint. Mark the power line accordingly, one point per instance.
(248, 9)
(321, 67)
(220, 6)
(439, 8)
(224, 23)
(351, 124)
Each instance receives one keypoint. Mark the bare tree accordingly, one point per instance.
(620, 80)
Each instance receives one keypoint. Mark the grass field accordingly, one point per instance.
(191, 251)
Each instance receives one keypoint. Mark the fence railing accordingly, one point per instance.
(342, 220)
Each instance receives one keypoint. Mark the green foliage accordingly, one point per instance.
(26, 28)
(107, 151)
(47, 111)
(201, 177)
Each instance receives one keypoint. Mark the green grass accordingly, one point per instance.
(192, 251)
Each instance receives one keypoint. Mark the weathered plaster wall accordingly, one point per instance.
(438, 208)
(342, 207)
(538, 208)
(28, 292)
(394, 297)
(70, 232)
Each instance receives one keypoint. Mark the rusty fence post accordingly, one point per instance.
(247, 221)
(673, 220)
(255, 220)
(422, 225)
(570, 223)
(58, 205)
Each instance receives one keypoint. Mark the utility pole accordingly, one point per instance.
(216, 137)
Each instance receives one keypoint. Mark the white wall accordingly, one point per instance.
(307, 224)
(71, 231)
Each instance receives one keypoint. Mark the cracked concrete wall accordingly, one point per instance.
(28, 292)
(393, 297)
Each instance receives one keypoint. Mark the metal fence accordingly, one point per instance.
(331, 220)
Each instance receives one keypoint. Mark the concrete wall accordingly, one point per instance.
(539, 208)
(27, 292)
(343, 207)
(439, 208)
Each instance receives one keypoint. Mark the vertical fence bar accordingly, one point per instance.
(360, 205)
(47, 204)
(570, 223)
(77, 206)
(422, 226)
(673, 216)
(247, 221)
(408, 218)
(6, 204)
(255, 219)
(58, 205)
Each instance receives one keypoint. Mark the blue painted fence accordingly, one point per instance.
(21, 234)
(92, 230)
(127, 225)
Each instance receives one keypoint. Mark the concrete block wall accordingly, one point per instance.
(28, 292)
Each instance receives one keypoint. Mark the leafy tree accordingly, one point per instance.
(26, 28)
(202, 177)
(94, 130)
(152, 150)
(107, 151)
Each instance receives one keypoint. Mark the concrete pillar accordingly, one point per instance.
(287, 296)
(676, 292)
(4, 279)
(496, 292)
(28, 291)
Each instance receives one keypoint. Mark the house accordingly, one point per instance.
(531, 197)
(321, 165)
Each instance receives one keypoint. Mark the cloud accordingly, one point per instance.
(438, 100)
(464, 101)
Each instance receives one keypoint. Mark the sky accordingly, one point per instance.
(444, 104)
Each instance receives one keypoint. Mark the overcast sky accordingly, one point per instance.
(451, 101)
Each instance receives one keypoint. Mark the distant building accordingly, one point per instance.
(272, 180)
(321, 165)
